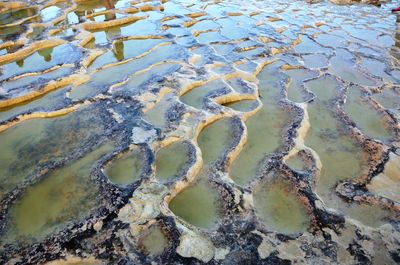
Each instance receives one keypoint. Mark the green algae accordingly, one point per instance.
(279, 208)
(170, 160)
(197, 204)
(242, 105)
(197, 96)
(296, 162)
(155, 241)
(343, 65)
(126, 168)
(330, 141)
(123, 50)
(29, 81)
(34, 143)
(295, 91)
(36, 31)
(214, 139)
(104, 78)
(15, 15)
(366, 117)
(341, 156)
(66, 194)
(41, 60)
(9, 32)
(157, 115)
(110, 34)
(324, 88)
(388, 98)
(376, 68)
(264, 129)
(92, 5)
(48, 101)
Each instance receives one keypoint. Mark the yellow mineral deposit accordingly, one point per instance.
(264, 122)
(66, 194)
(154, 241)
(126, 168)
(279, 207)
(170, 161)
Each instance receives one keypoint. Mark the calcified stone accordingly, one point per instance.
(220, 253)
(97, 226)
(196, 246)
(140, 135)
(386, 184)
(144, 205)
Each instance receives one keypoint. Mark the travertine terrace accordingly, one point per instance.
(191, 132)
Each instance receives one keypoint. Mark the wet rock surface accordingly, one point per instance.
(190, 132)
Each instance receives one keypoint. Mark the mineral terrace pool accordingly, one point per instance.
(191, 132)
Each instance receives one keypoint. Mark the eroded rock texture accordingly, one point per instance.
(189, 132)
